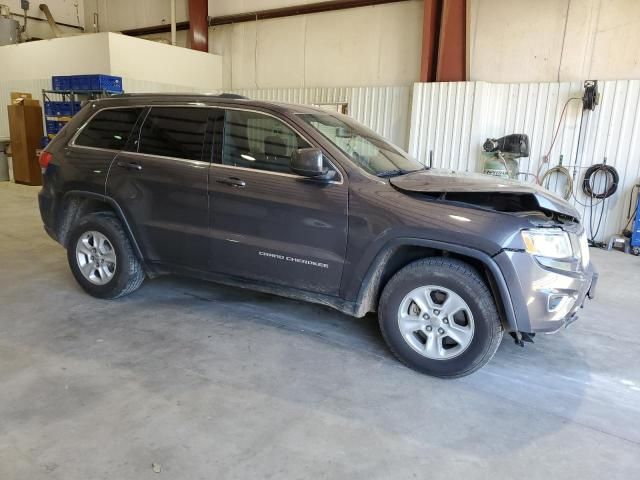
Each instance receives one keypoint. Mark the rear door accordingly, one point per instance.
(160, 182)
(267, 223)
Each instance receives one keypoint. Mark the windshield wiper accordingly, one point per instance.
(390, 173)
(398, 171)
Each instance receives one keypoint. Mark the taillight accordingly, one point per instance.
(45, 158)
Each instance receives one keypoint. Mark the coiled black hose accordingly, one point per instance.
(611, 183)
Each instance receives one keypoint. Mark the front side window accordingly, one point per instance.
(109, 128)
(255, 140)
(365, 148)
(177, 132)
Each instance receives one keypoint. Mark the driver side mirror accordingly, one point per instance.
(308, 162)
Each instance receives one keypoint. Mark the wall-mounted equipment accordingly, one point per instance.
(591, 96)
(57, 33)
(500, 155)
(9, 28)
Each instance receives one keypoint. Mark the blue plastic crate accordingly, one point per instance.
(57, 108)
(61, 82)
(54, 108)
(81, 82)
(49, 108)
(66, 108)
(53, 126)
(108, 83)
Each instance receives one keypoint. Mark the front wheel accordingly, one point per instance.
(101, 257)
(438, 317)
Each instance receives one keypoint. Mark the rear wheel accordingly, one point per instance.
(438, 317)
(101, 257)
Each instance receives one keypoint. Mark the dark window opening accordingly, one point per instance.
(109, 128)
(177, 132)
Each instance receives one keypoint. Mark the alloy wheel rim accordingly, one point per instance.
(96, 257)
(436, 322)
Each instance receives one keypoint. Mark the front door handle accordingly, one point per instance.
(129, 165)
(232, 181)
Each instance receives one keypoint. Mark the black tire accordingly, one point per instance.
(460, 278)
(129, 272)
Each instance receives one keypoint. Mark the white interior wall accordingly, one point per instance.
(452, 120)
(60, 56)
(509, 40)
(144, 66)
(553, 40)
(111, 53)
(140, 59)
(230, 7)
(368, 46)
(117, 15)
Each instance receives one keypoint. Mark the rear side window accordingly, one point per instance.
(174, 132)
(109, 128)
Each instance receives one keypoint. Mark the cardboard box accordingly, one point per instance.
(19, 98)
(16, 95)
(25, 130)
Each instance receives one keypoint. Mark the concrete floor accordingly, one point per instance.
(211, 382)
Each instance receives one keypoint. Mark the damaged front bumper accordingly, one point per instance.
(545, 299)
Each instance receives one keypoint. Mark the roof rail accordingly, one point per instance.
(232, 95)
(182, 94)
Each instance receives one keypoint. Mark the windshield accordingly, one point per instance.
(367, 149)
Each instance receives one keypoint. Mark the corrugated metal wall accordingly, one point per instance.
(450, 121)
(383, 109)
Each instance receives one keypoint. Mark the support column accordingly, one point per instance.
(452, 49)
(199, 25)
(430, 36)
(444, 41)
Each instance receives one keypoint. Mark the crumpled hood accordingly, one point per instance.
(444, 181)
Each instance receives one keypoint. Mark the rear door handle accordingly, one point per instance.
(129, 165)
(232, 181)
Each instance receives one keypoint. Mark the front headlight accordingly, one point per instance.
(547, 242)
(584, 249)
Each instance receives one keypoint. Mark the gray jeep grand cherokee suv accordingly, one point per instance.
(308, 204)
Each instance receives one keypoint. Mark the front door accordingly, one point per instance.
(268, 224)
(160, 182)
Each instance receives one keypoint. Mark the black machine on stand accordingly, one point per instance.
(500, 155)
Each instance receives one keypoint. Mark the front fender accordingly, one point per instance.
(369, 290)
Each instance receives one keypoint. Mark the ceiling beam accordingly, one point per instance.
(318, 7)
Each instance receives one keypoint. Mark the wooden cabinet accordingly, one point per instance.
(25, 129)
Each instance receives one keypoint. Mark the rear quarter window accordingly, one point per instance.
(109, 128)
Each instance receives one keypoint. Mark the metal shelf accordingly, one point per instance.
(105, 93)
(72, 97)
